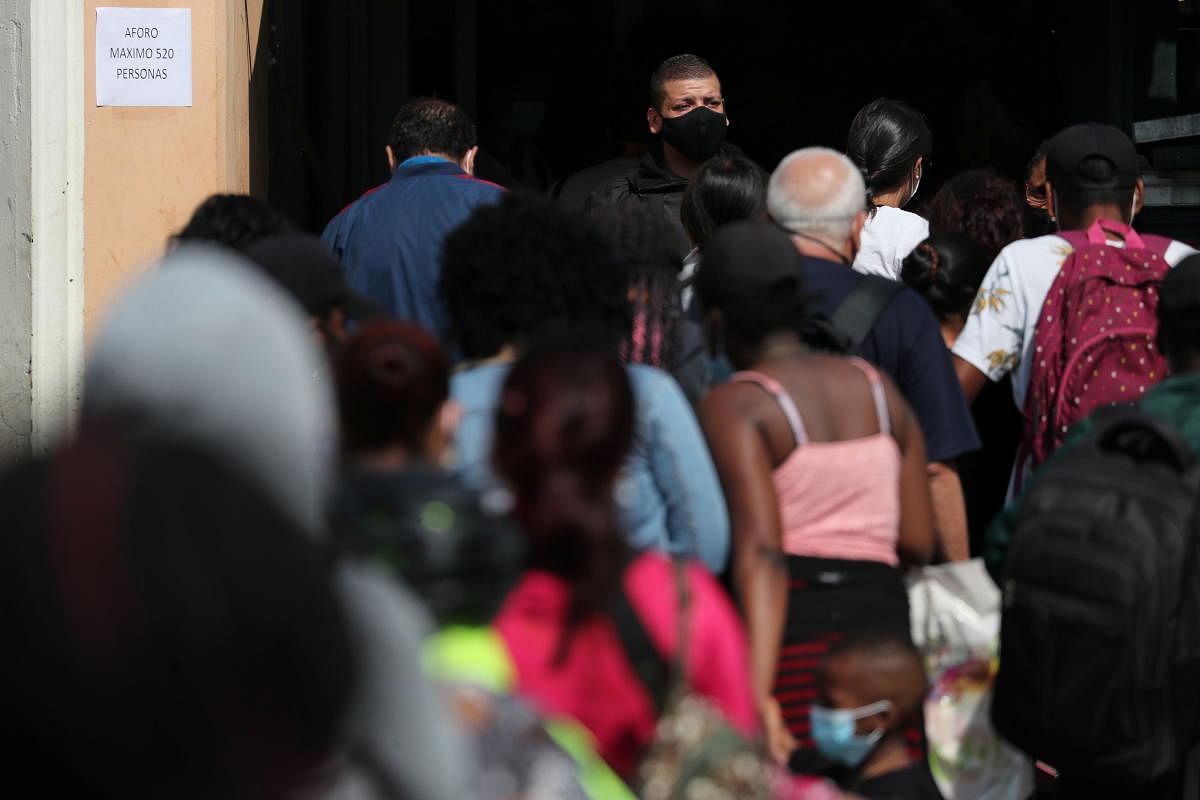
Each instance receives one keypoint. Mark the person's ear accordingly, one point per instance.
(441, 433)
(335, 325)
(449, 418)
(468, 161)
(856, 229)
(654, 120)
(1139, 196)
(391, 158)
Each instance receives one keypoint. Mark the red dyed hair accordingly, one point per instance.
(563, 430)
(392, 378)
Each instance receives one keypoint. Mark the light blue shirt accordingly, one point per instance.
(668, 494)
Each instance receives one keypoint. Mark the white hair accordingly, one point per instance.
(818, 192)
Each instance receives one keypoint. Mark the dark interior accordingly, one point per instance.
(556, 87)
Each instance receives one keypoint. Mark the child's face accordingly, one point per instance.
(842, 687)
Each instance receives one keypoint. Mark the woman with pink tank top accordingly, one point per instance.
(823, 467)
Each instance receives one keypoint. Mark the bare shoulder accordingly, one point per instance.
(733, 405)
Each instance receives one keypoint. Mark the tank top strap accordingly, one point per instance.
(786, 404)
(877, 391)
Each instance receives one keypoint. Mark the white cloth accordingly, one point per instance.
(687, 275)
(999, 333)
(889, 235)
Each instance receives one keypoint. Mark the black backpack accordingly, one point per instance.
(1098, 636)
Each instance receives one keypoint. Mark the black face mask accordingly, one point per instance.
(698, 134)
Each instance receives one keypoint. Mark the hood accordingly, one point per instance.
(206, 350)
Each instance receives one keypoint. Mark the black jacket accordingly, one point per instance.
(655, 186)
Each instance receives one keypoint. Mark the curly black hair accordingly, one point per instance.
(647, 244)
(523, 264)
(235, 221)
(980, 204)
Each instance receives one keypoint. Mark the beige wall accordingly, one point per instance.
(146, 169)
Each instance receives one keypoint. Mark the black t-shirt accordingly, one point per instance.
(912, 783)
(985, 474)
(906, 343)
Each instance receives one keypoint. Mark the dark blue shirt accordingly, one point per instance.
(390, 239)
(907, 344)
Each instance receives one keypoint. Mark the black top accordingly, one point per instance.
(457, 550)
(907, 344)
(656, 187)
(912, 783)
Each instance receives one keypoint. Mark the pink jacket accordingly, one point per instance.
(596, 685)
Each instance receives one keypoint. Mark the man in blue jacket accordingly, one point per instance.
(390, 239)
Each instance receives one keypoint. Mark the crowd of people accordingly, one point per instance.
(485, 494)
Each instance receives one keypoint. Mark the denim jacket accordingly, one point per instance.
(668, 494)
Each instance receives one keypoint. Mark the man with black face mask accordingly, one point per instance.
(687, 119)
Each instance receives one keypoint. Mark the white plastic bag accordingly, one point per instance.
(955, 614)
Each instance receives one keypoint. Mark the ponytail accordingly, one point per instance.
(564, 428)
(886, 139)
(577, 536)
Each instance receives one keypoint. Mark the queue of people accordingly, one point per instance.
(481, 495)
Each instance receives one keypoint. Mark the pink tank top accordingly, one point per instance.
(838, 499)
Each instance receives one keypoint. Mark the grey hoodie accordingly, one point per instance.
(206, 350)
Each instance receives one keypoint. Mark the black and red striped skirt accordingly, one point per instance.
(828, 600)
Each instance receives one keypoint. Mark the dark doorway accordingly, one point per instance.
(558, 86)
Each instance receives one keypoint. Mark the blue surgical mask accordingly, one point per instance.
(833, 732)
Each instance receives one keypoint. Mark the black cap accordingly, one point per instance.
(311, 273)
(1068, 150)
(750, 256)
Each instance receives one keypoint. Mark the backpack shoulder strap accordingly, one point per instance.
(1157, 244)
(858, 312)
(651, 667)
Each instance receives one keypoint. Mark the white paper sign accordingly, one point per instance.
(144, 57)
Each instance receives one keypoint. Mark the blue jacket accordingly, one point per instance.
(390, 239)
(668, 496)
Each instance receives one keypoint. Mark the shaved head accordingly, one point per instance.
(818, 192)
(862, 671)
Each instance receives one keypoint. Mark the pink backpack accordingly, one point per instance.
(1094, 344)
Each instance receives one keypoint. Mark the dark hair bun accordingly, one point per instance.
(947, 270)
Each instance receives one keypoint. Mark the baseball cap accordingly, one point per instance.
(312, 274)
(750, 256)
(1068, 150)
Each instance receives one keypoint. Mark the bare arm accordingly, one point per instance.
(759, 569)
(915, 545)
(949, 511)
(970, 378)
